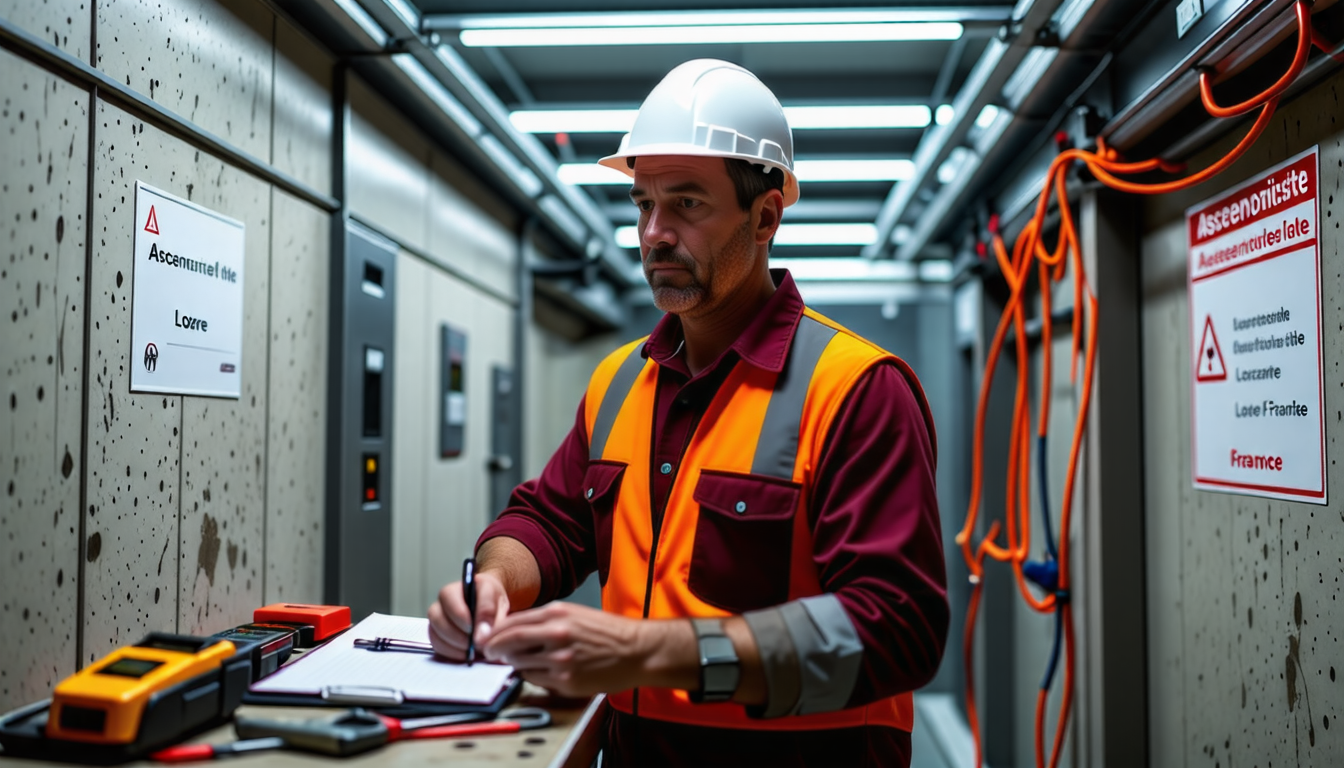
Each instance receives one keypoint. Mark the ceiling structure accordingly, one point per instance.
(973, 99)
(904, 86)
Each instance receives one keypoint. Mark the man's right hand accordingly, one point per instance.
(450, 621)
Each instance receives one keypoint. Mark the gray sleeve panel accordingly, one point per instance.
(779, 662)
(829, 652)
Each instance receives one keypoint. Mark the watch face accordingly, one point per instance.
(719, 668)
(720, 679)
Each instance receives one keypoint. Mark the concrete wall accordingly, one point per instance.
(1244, 616)
(125, 512)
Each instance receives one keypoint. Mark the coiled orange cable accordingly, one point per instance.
(1051, 263)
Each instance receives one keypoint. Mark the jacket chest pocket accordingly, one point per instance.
(743, 540)
(601, 486)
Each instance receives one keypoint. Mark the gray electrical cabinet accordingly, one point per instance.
(358, 569)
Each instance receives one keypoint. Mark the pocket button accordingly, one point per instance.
(666, 469)
(741, 507)
(590, 493)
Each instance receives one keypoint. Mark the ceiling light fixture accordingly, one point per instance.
(986, 117)
(837, 117)
(722, 34)
(854, 170)
(986, 15)
(809, 171)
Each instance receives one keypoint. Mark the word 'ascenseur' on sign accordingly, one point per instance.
(186, 298)
(1257, 405)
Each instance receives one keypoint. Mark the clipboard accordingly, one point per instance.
(338, 674)
(391, 706)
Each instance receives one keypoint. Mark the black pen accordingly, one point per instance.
(469, 594)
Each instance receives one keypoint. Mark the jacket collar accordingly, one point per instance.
(764, 343)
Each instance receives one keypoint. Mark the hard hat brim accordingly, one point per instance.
(620, 162)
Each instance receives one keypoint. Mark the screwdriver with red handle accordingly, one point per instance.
(353, 732)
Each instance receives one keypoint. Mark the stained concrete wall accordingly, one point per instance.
(1244, 615)
(155, 512)
(44, 129)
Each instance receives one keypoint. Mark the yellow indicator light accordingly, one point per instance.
(370, 465)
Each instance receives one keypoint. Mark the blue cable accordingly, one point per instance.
(1045, 499)
(1060, 597)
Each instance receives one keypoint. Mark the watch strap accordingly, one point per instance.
(720, 669)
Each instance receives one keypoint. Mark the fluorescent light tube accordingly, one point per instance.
(1027, 75)
(715, 34)
(861, 233)
(856, 233)
(711, 18)
(944, 114)
(627, 237)
(590, 174)
(858, 116)
(839, 117)
(936, 271)
(854, 170)
(809, 171)
(986, 117)
(573, 120)
(848, 269)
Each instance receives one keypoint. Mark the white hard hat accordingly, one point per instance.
(711, 108)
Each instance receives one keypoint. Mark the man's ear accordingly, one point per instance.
(766, 214)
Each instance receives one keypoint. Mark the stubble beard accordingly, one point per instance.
(693, 292)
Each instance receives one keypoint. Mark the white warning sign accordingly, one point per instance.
(1257, 401)
(186, 298)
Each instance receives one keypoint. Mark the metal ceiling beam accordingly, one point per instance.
(997, 63)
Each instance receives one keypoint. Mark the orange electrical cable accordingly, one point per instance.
(1029, 249)
(1304, 36)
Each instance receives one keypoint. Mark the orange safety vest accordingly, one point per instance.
(742, 487)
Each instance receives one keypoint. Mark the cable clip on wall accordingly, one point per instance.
(1051, 574)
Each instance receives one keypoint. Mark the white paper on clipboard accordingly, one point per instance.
(418, 676)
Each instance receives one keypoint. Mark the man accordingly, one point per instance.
(751, 466)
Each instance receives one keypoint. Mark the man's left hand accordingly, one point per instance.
(576, 651)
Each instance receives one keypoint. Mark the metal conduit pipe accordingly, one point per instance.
(1084, 32)
(997, 63)
(1242, 35)
(521, 156)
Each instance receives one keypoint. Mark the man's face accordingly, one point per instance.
(696, 243)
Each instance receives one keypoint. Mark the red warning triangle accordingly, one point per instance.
(1209, 366)
(152, 226)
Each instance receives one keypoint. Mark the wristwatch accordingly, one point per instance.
(720, 669)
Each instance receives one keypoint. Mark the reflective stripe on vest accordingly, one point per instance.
(741, 490)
